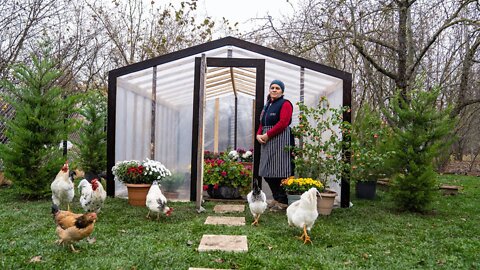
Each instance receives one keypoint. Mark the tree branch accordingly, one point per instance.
(372, 61)
(432, 40)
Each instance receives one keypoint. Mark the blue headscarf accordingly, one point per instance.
(279, 83)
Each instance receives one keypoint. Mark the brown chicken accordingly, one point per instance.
(73, 227)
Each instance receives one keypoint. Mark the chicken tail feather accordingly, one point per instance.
(55, 209)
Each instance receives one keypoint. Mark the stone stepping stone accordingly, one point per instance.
(228, 208)
(229, 221)
(233, 243)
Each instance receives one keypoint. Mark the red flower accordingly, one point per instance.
(375, 136)
(215, 186)
(205, 187)
(223, 173)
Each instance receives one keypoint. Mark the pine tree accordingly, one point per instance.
(32, 156)
(92, 146)
(419, 134)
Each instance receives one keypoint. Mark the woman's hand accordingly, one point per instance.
(262, 138)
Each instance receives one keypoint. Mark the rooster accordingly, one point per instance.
(72, 227)
(156, 201)
(303, 213)
(257, 201)
(92, 195)
(62, 187)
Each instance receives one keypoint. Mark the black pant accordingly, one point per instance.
(277, 190)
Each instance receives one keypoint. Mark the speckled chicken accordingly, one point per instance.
(157, 202)
(257, 202)
(62, 187)
(303, 213)
(92, 195)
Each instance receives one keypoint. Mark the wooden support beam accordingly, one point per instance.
(215, 125)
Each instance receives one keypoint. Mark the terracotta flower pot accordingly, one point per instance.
(137, 194)
(171, 194)
(325, 202)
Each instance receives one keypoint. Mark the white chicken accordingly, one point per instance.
(303, 213)
(257, 202)
(62, 187)
(92, 195)
(156, 201)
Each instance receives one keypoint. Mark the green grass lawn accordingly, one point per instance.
(370, 235)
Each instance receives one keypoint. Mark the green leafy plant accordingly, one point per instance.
(369, 135)
(92, 145)
(172, 182)
(323, 136)
(31, 156)
(419, 134)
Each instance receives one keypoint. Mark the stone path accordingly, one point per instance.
(228, 208)
(229, 221)
(235, 243)
(228, 243)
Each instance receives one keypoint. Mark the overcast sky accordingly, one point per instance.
(242, 11)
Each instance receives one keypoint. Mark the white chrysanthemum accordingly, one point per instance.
(233, 154)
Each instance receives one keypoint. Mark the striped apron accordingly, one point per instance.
(275, 160)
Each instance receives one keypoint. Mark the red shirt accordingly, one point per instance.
(282, 124)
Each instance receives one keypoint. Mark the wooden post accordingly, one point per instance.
(201, 130)
(154, 109)
(215, 125)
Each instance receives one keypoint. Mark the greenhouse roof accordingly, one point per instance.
(175, 73)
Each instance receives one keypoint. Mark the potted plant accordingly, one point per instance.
(171, 183)
(138, 177)
(295, 187)
(321, 136)
(369, 134)
(225, 178)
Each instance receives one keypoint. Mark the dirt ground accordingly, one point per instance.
(462, 167)
(3, 181)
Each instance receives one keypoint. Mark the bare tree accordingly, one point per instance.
(20, 22)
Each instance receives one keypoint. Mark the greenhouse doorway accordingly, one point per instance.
(233, 91)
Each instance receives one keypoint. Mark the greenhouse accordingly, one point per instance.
(155, 107)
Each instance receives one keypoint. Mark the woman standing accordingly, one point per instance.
(274, 136)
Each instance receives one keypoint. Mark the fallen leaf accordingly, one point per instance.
(365, 255)
(441, 262)
(270, 247)
(387, 252)
(219, 260)
(91, 240)
(189, 242)
(122, 231)
(347, 262)
(36, 259)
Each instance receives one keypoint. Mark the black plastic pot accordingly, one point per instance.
(366, 189)
(223, 192)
